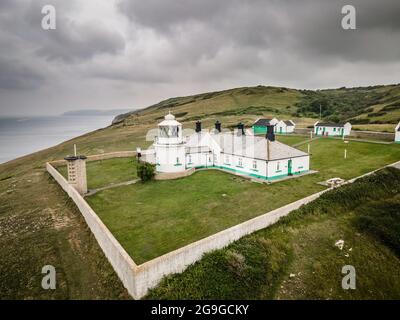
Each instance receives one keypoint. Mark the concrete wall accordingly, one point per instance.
(97, 157)
(115, 253)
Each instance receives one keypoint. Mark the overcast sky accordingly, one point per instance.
(108, 54)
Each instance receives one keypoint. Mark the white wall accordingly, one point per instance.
(166, 157)
(247, 165)
(278, 168)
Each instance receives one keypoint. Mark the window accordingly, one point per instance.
(240, 162)
(168, 131)
(254, 164)
(177, 160)
(278, 166)
(227, 159)
(190, 158)
(334, 129)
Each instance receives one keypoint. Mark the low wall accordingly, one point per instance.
(97, 157)
(115, 253)
(174, 175)
(371, 135)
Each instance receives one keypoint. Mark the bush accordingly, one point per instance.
(146, 171)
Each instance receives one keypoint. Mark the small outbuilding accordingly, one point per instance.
(332, 129)
(397, 133)
(285, 126)
(260, 126)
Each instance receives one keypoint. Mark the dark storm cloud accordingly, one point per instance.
(72, 41)
(16, 76)
(310, 29)
(135, 52)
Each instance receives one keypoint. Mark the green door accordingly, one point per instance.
(289, 167)
(280, 130)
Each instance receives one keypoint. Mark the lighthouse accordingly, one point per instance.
(169, 146)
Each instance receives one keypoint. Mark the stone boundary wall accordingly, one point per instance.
(174, 175)
(103, 156)
(138, 279)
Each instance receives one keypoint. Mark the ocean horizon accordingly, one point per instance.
(20, 136)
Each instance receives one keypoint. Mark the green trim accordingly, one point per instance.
(177, 164)
(254, 170)
(285, 175)
(190, 162)
(250, 174)
(278, 171)
(239, 166)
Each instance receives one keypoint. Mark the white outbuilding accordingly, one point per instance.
(285, 126)
(256, 156)
(332, 129)
(397, 133)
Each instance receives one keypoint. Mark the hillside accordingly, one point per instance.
(375, 106)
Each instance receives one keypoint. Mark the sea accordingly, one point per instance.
(20, 136)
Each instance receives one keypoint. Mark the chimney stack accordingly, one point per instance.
(218, 126)
(76, 167)
(270, 133)
(240, 127)
(198, 126)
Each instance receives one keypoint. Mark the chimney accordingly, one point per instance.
(240, 127)
(270, 133)
(76, 167)
(218, 126)
(198, 126)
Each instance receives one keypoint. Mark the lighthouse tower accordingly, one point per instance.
(169, 146)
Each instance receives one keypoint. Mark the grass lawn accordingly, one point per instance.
(327, 156)
(291, 139)
(105, 172)
(160, 216)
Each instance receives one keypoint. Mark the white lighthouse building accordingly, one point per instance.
(235, 152)
(169, 146)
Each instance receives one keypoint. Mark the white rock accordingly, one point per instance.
(339, 244)
(292, 275)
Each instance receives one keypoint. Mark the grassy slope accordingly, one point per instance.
(367, 106)
(258, 266)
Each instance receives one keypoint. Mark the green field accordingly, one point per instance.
(154, 218)
(107, 172)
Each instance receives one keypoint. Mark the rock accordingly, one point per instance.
(224, 195)
(292, 275)
(339, 244)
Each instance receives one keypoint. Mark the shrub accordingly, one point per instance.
(145, 171)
